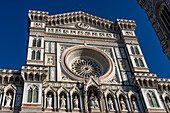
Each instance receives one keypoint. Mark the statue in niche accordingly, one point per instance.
(8, 100)
(123, 104)
(110, 104)
(63, 102)
(49, 102)
(134, 104)
(93, 101)
(96, 104)
(76, 102)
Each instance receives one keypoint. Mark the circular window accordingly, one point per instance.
(83, 61)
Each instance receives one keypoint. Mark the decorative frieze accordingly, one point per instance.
(82, 33)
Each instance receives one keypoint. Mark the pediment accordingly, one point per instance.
(92, 82)
(76, 19)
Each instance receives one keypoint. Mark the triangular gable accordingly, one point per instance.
(70, 19)
(92, 82)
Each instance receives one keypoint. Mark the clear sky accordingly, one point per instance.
(14, 34)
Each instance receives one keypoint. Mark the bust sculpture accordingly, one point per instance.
(8, 100)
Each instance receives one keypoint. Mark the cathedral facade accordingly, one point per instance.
(158, 12)
(79, 62)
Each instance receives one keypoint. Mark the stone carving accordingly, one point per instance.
(8, 100)
(50, 60)
(93, 101)
(63, 102)
(110, 104)
(123, 104)
(49, 102)
(76, 102)
(134, 104)
(83, 25)
(84, 33)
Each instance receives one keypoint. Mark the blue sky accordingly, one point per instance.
(14, 35)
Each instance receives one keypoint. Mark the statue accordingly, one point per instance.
(110, 104)
(63, 102)
(96, 104)
(8, 100)
(134, 104)
(76, 102)
(123, 104)
(49, 102)
(92, 100)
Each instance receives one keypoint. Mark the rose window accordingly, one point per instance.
(86, 67)
(81, 62)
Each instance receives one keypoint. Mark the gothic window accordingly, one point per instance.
(37, 77)
(29, 95)
(136, 50)
(136, 62)
(141, 62)
(132, 50)
(152, 99)
(38, 55)
(31, 77)
(35, 97)
(165, 15)
(33, 55)
(34, 42)
(39, 43)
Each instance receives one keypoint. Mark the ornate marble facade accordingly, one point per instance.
(158, 12)
(78, 62)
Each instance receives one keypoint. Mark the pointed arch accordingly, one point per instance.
(39, 43)
(38, 55)
(34, 42)
(141, 62)
(136, 62)
(137, 50)
(31, 77)
(37, 77)
(30, 91)
(33, 55)
(132, 50)
(35, 95)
